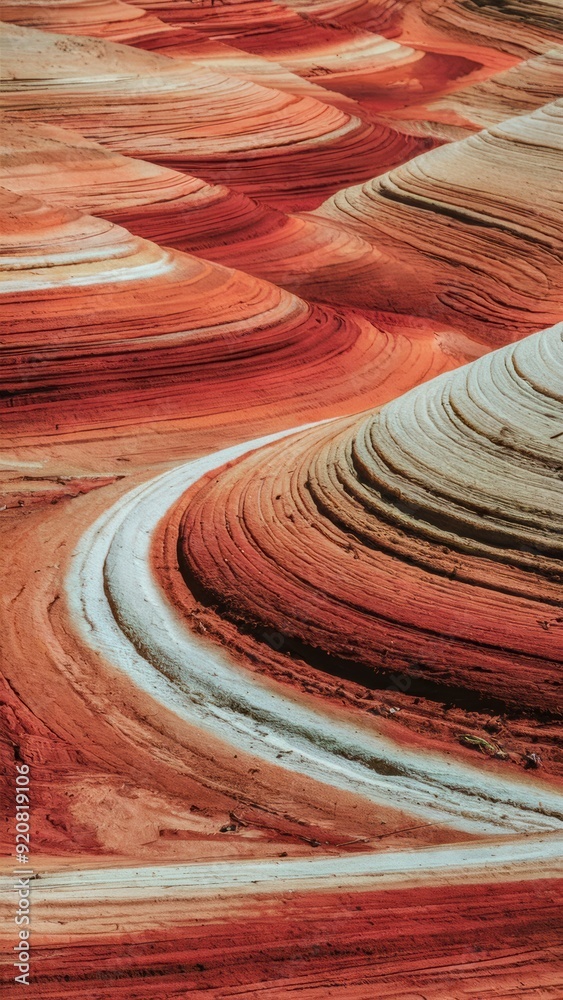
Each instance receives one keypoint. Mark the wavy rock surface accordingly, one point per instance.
(518, 28)
(474, 226)
(71, 171)
(498, 34)
(195, 116)
(381, 16)
(208, 689)
(176, 210)
(344, 542)
(290, 708)
(457, 26)
(111, 19)
(517, 91)
(338, 46)
(375, 70)
(103, 326)
(229, 60)
(122, 22)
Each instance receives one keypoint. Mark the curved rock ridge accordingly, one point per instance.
(111, 19)
(317, 45)
(417, 24)
(229, 18)
(167, 206)
(381, 16)
(474, 226)
(229, 60)
(70, 171)
(308, 255)
(517, 91)
(377, 72)
(292, 150)
(261, 23)
(38, 239)
(372, 69)
(518, 27)
(102, 326)
(122, 22)
(207, 687)
(425, 538)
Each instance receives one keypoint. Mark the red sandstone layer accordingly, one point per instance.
(489, 263)
(262, 777)
(283, 164)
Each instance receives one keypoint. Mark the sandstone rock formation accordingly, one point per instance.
(516, 91)
(177, 210)
(104, 327)
(189, 126)
(424, 539)
(280, 473)
(488, 262)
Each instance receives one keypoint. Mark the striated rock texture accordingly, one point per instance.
(111, 19)
(516, 91)
(425, 539)
(474, 226)
(516, 27)
(101, 326)
(177, 210)
(164, 110)
(122, 22)
(391, 944)
(282, 611)
(362, 64)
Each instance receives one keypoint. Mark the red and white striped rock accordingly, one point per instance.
(262, 778)
(161, 109)
(102, 326)
(173, 209)
(111, 19)
(423, 540)
(474, 227)
(516, 91)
